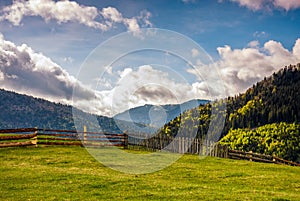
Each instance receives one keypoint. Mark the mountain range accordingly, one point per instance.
(157, 115)
(21, 111)
(274, 100)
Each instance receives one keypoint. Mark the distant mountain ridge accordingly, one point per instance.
(155, 115)
(21, 111)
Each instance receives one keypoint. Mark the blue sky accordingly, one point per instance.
(232, 32)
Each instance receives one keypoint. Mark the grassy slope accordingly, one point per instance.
(70, 173)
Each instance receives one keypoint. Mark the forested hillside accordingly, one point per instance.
(21, 111)
(273, 100)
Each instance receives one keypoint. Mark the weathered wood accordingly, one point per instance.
(248, 157)
(285, 161)
(60, 143)
(57, 135)
(58, 139)
(125, 141)
(18, 130)
(254, 154)
(16, 144)
(17, 137)
(56, 130)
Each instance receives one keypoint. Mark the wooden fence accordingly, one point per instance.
(18, 137)
(35, 136)
(197, 146)
(236, 154)
(172, 144)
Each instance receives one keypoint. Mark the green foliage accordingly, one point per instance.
(198, 118)
(272, 100)
(275, 99)
(280, 139)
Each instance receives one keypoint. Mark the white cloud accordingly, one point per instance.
(71, 11)
(25, 71)
(195, 52)
(253, 5)
(68, 59)
(259, 34)
(241, 68)
(268, 4)
(148, 85)
(253, 44)
(188, 1)
(61, 11)
(287, 4)
(112, 15)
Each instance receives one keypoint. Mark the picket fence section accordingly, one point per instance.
(199, 146)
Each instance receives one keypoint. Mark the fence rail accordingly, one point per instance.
(236, 154)
(35, 136)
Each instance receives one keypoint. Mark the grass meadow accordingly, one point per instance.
(71, 173)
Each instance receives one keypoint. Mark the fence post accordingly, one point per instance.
(125, 141)
(34, 140)
(274, 159)
(84, 134)
(250, 155)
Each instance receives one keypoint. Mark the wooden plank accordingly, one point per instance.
(18, 137)
(16, 144)
(286, 161)
(57, 130)
(250, 153)
(58, 139)
(102, 145)
(100, 133)
(243, 156)
(58, 135)
(107, 137)
(18, 130)
(60, 143)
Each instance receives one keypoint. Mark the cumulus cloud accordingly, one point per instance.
(287, 5)
(71, 11)
(268, 4)
(25, 71)
(148, 85)
(241, 68)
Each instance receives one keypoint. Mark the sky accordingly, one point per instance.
(83, 53)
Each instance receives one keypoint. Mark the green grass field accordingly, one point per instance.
(70, 173)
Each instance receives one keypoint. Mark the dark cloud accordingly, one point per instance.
(153, 93)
